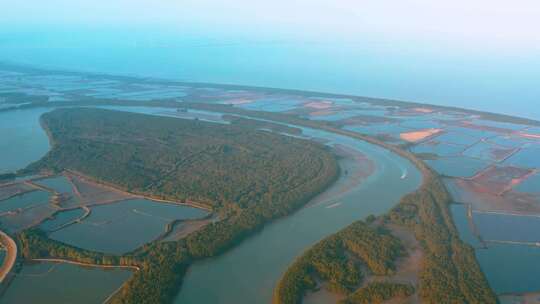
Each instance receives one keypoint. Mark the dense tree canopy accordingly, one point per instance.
(250, 176)
(337, 260)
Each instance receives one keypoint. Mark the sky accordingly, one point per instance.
(477, 53)
(458, 23)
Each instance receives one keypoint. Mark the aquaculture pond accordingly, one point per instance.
(526, 157)
(530, 185)
(24, 201)
(254, 266)
(508, 268)
(61, 283)
(458, 166)
(511, 268)
(123, 226)
(506, 227)
(439, 148)
(59, 184)
(61, 218)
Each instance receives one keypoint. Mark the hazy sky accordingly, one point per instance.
(458, 23)
(482, 54)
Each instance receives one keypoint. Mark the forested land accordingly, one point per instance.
(379, 292)
(450, 272)
(249, 176)
(339, 260)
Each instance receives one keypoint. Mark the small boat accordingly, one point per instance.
(334, 205)
(404, 175)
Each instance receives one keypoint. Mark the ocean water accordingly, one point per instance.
(503, 81)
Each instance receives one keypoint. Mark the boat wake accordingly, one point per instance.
(404, 174)
(333, 205)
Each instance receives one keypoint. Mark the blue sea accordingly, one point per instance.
(503, 81)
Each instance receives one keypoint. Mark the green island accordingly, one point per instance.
(246, 176)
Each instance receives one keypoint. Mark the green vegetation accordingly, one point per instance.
(218, 166)
(378, 292)
(450, 272)
(249, 176)
(34, 244)
(331, 261)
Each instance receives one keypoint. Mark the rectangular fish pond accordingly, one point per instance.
(123, 226)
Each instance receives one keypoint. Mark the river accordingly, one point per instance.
(248, 273)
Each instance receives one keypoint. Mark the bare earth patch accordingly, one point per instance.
(239, 101)
(424, 110)
(529, 135)
(483, 199)
(407, 268)
(416, 136)
(498, 180)
(320, 105)
(322, 113)
(359, 167)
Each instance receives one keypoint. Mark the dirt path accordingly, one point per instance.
(52, 260)
(11, 255)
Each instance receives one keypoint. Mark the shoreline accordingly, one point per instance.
(306, 93)
(11, 255)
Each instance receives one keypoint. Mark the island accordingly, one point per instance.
(246, 176)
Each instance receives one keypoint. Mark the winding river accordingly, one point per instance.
(248, 273)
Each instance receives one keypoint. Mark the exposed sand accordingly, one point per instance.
(416, 136)
(407, 268)
(423, 110)
(320, 105)
(11, 255)
(356, 167)
(483, 199)
(239, 101)
(322, 113)
(184, 228)
(529, 135)
(498, 180)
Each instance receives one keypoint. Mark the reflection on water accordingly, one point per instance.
(52, 283)
(22, 140)
(508, 268)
